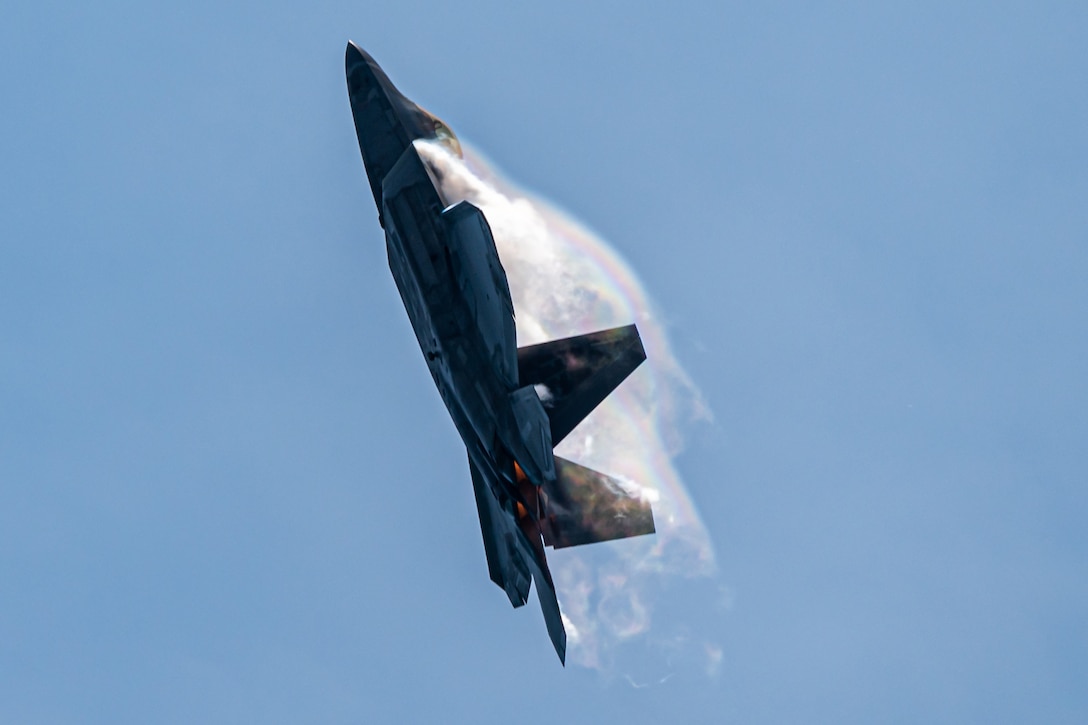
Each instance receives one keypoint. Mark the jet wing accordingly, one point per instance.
(577, 373)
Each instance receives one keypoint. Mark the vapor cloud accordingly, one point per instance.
(567, 281)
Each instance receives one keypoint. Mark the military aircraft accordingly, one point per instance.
(511, 405)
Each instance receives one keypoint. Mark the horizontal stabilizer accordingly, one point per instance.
(584, 507)
(573, 375)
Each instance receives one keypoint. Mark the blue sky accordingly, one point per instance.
(229, 491)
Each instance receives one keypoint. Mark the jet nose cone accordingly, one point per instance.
(365, 77)
(354, 55)
(362, 69)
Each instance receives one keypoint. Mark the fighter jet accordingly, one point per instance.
(511, 405)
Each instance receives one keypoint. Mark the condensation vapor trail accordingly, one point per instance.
(567, 281)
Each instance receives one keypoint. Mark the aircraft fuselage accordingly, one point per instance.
(474, 367)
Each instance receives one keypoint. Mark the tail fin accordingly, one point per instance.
(579, 372)
(515, 552)
(583, 506)
(545, 588)
(549, 605)
(504, 562)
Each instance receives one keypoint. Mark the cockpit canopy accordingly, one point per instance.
(444, 135)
